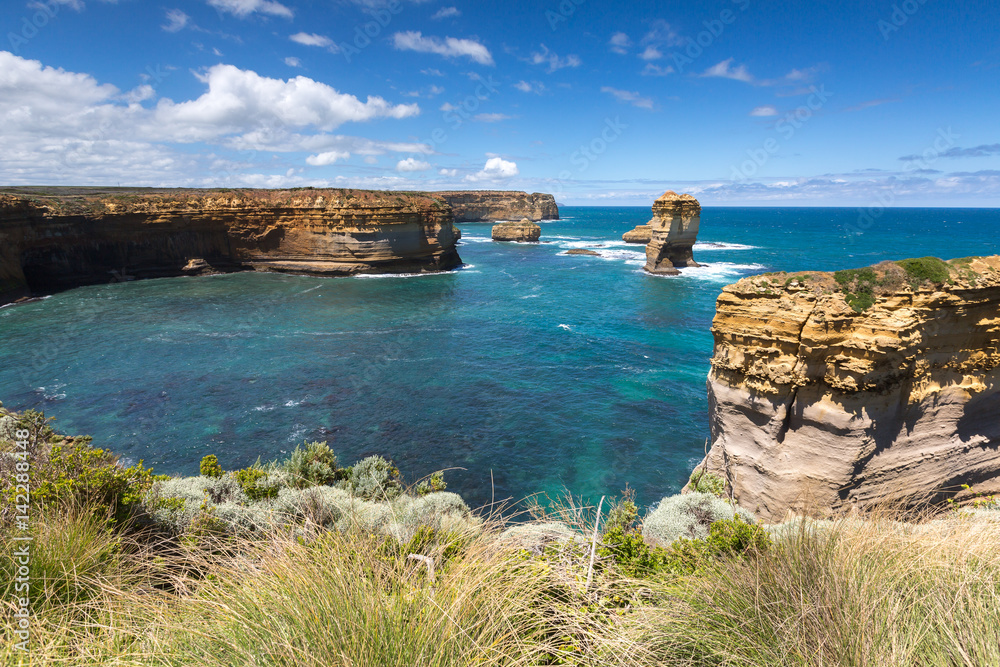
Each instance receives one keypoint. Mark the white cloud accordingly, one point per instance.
(546, 57)
(329, 157)
(243, 8)
(292, 61)
(176, 20)
(491, 117)
(619, 43)
(629, 97)
(432, 72)
(651, 53)
(530, 87)
(447, 12)
(239, 100)
(663, 34)
(412, 164)
(447, 106)
(371, 159)
(652, 69)
(766, 110)
(725, 70)
(496, 169)
(449, 172)
(66, 127)
(311, 39)
(450, 47)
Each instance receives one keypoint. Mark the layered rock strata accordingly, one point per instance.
(674, 231)
(493, 205)
(524, 231)
(641, 234)
(57, 238)
(866, 387)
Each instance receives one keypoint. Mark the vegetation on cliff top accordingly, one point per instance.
(862, 287)
(329, 578)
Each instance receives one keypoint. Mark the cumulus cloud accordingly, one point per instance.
(619, 43)
(651, 53)
(449, 47)
(446, 12)
(448, 172)
(726, 70)
(67, 127)
(176, 20)
(629, 97)
(496, 169)
(311, 39)
(554, 62)
(243, 8)
(292, 61)
(663, 34)
(329, 157)
(412, 164)
(766, 110)
(242, 99)
(652, 69)
(530, 87)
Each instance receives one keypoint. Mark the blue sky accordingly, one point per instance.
(740, 102)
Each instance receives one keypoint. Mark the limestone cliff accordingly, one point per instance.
(864, 386)
(524, 231)
(641, 234)
(674, 231)
(492, 205)
(57, 238)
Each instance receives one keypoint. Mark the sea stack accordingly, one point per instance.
(525, 231)
(867, 387)
(641, 234)
(674, 231)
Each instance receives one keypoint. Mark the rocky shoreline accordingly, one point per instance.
(499, 205)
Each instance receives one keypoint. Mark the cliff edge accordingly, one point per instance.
(868, 386)
(496, 205)
(58, 238)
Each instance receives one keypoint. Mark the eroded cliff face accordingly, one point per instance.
(493, 205)
(674, 230)
(61, 238)
(869, 386)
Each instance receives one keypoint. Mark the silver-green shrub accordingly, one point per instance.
(218, 490)
(688, 515)
(321, 505)
(311, 465)
(375, 478)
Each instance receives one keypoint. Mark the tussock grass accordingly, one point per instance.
(851, 592)
(848, 592)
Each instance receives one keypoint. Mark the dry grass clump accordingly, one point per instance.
(848, 592)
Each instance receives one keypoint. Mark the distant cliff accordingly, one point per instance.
(493, 205)
(863, 386)
(57, 238)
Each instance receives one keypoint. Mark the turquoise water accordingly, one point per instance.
(528, 369)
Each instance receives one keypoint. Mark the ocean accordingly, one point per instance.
(528, 371)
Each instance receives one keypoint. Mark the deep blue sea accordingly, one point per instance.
(528, 369)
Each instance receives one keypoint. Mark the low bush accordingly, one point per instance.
(688, 515)
(210, 466)
(312, 464)
(925, 270)
(375, 478)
